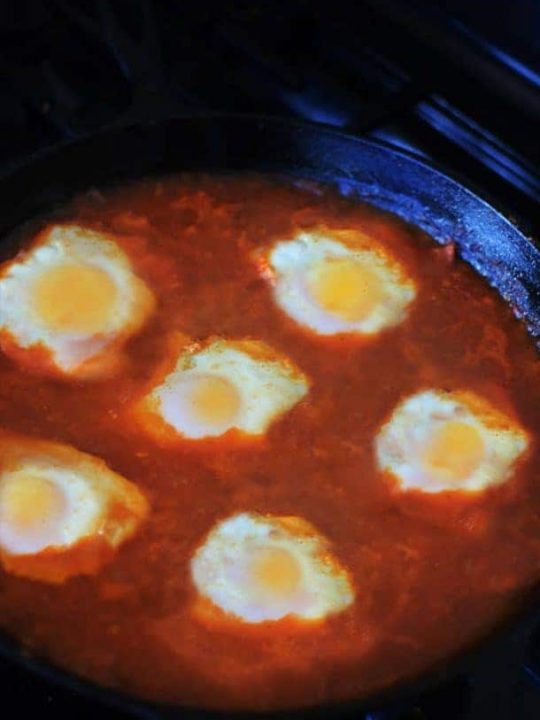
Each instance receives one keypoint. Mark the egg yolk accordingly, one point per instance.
(275, 571)
(214, 400)
(345, 288)
(456, 449)
(75, 298)
(27, 501)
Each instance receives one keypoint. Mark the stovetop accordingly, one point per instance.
(455, 82)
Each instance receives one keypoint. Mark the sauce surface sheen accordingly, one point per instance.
(431, 573)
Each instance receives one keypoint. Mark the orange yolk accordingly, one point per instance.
(214, 400)
(456, 449)
(345, 288)
(28, 501)
(276, 571)
(75, 298)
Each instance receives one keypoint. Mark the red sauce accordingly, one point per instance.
(432, 573)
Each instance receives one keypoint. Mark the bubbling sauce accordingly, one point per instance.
(431, 573)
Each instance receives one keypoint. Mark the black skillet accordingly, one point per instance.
(378, 174)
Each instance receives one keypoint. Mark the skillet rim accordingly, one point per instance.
(521, 620)
(513, 218)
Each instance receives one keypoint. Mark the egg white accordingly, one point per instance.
(71, 349)
(402, 442)
(96, 506)
(222, 570)
(290, 263)
(82, 509)
(262, 386)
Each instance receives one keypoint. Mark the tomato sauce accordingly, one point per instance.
(432, 572)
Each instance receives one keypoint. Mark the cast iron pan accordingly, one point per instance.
(383, 176)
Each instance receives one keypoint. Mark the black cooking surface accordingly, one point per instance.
(456, 82)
